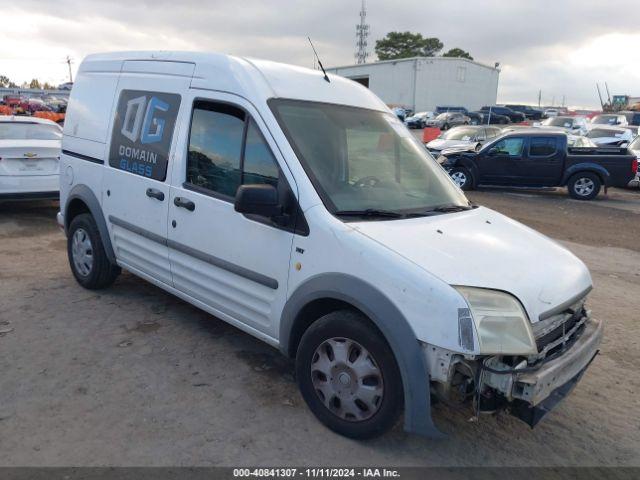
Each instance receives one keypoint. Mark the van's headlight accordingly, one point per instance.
(501, 322)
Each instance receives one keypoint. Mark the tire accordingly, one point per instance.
(87, 257)
(462, 177)
(355, 404)
(445, 126)
(584, 186)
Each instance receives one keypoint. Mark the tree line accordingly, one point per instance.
(406, 44)
(5, 82)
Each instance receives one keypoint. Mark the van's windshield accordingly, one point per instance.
(362, 160)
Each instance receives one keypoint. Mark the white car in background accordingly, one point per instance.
(29, 158)
(580, 141)
(610, 136)
(577, 125)
(611, 119)
(551, 112)
(463, 136)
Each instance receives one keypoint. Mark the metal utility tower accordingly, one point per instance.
(68, 61)
(362, 32)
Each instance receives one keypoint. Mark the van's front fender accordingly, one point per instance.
(393, 325)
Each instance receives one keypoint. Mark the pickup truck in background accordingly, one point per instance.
(535, 159)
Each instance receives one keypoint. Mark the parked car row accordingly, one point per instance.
(513, 113)
(445, 117)
(419, 120)
(29, 105)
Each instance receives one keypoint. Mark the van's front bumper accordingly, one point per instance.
(535, 387)
(533, 393)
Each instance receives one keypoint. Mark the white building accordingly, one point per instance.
(423, 83)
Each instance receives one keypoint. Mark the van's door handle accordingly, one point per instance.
(184, 203)
(155, 193)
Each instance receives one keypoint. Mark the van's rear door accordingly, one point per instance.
(136, 178)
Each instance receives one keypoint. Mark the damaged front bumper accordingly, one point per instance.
(534, 391)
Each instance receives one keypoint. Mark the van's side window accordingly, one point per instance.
(259, 164)
(226, 149)
(215, 148)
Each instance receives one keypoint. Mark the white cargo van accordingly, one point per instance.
(299, 209)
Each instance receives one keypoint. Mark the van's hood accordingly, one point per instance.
(482, 248)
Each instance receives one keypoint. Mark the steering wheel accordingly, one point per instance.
(369, 181)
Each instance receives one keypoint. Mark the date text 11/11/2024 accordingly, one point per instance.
(321, 472)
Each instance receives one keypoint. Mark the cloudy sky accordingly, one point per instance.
(561, 47)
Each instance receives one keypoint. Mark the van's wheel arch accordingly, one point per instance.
(348, 375)
(87, 257)
(584, 185)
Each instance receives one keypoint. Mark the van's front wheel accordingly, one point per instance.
(87, 258)
(348, 375)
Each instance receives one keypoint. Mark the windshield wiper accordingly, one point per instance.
(452, 208)
(369, 212)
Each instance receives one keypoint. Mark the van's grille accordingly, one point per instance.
(560, 330)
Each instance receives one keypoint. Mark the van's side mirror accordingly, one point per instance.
(258, 200)
(493, 151)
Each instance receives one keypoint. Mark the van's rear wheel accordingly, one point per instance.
(584, 186)
(87, 257)
(348, 375)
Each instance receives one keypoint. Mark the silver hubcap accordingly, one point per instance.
(584, 186)
(82, 252)
(460, 178)
(347, 379)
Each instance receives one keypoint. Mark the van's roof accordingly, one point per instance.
(254, 79)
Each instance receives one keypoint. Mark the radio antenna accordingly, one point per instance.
(326, 77)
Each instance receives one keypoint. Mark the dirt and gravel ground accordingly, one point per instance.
(134, 376)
